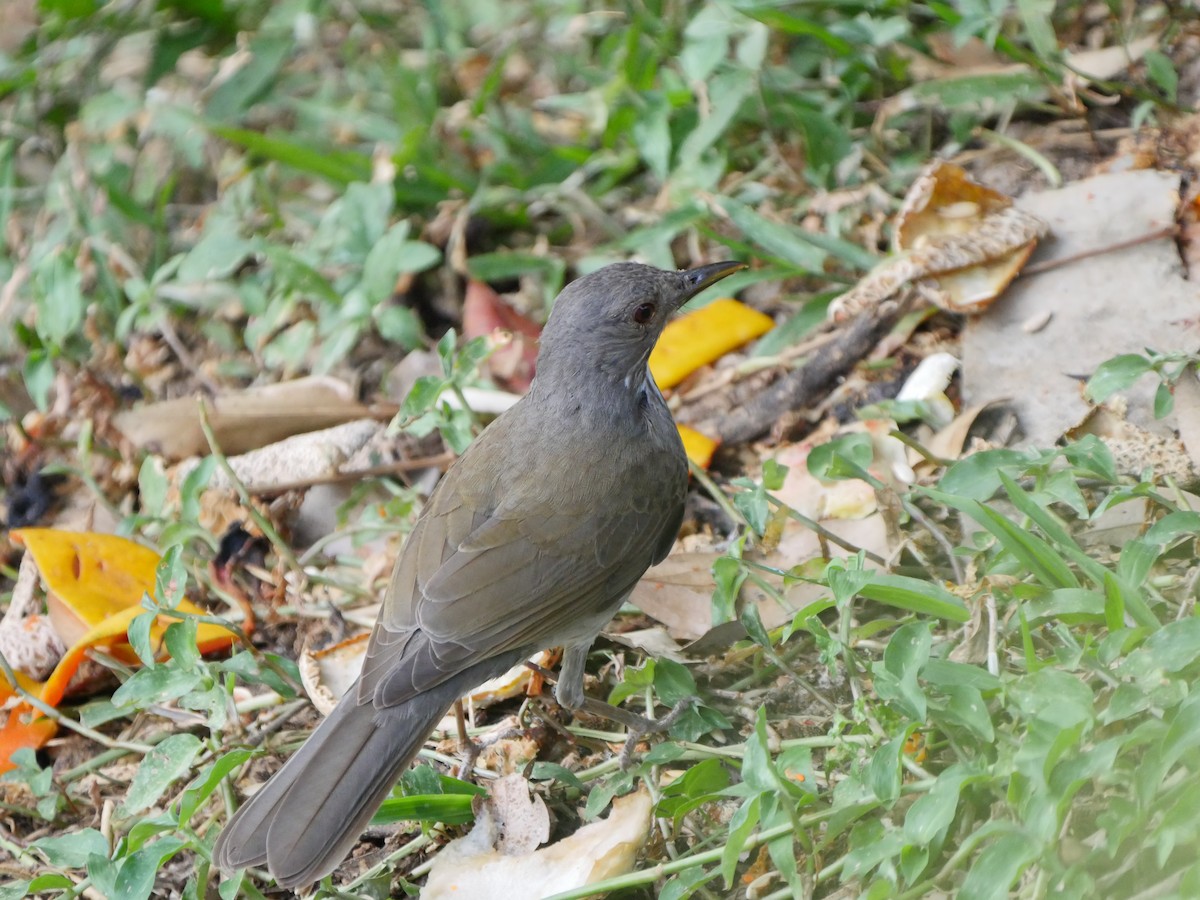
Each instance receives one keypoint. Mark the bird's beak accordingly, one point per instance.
(696, 280)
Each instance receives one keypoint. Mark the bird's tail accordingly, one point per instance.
(304, 821)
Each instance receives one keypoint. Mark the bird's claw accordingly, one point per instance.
(652, 726)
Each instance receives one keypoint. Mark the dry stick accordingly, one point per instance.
(438, 461)
(805, 385)
(264, 524)
(1047, 265)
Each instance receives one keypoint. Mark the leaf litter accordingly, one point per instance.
(765, 597)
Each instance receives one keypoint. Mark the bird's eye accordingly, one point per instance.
(643, 313)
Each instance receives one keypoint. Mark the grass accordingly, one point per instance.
(251, 182)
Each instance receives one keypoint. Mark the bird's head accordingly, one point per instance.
(604, 325)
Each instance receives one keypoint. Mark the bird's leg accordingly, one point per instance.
(468, 749)
(570, 695)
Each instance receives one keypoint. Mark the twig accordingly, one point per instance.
(804, 386)
(717, 495)
(171, 337)
(437, 461)
(264, 524)
(1047, 265)
(938, 535)
(820, 530)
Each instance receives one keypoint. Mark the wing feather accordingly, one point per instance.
(479, 577)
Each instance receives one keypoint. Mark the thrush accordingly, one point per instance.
(532, 539)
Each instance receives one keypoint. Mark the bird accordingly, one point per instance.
(532, 539)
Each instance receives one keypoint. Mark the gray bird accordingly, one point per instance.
(532, 539)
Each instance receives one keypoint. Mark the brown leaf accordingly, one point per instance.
(244, 420)
(485, 313)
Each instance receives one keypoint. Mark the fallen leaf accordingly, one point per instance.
(331, 671)
(485, 313)
(702, 337)
(961, 240)
(473, 867)
(243, 421)
(95, 584)
(698, 447)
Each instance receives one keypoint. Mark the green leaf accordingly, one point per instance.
(1037, 17)
(896, 676)
(181, 643)
(1053, 696)
(844, 457)
(1170, 649)
(637, 679)
(219, 253)
(785, 242)
(170, 578)
(449, 809)
(1033, 554)
(758, 770)
(931, 814)
(779, 19)
(206, 782)
(700, 784)
(997, 867)
(160, 684)
(342, 167)
(684, 885)
(1164, 400)
(422, 396)
(152, 486)
(729, 576)
(942, 672)
(237, 93)
(138, 634)
(753, 506)
(71, 851)
(914, 595)
(38, 373)
(1116, 374)
(883, 773)
(966, 707)
(740, 827)
(794, 328)
(1071, 605)
(399, 325)
(673, 682)
(165, 762)
(727, 93)
(979, 93)
(1162, 72)
(50, 882)
(1173, 526)
(58, 290)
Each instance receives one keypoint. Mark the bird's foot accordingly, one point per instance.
(569, 694)
(637, 726)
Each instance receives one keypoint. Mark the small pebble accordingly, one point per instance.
(1037, 322)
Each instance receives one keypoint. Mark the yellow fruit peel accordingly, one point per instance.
(704, 336)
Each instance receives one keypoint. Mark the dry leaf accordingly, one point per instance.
(1134, 448)
(485, 313)
(95, 586)
(702, 337)
(469, 867)
(242, 421)
(698, 447)
(964, 241)
(328, 673)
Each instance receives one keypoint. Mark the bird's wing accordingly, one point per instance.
(473, 582)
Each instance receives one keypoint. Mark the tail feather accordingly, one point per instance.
(305, 820)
